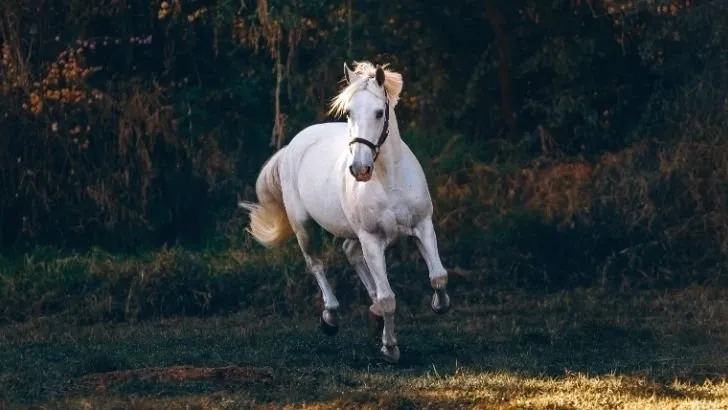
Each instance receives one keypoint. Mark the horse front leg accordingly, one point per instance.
(427, 244)
(385, 303)
(355, 256)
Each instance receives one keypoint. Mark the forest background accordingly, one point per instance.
(567, 144)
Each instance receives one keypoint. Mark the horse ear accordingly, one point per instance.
(379, 75)
(348, 74)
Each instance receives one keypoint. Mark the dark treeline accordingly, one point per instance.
(129, 124)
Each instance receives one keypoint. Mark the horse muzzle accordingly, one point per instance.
(360, 172)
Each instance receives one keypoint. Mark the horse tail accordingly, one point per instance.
(268, 219)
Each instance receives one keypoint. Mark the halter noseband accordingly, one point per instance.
(382, 137)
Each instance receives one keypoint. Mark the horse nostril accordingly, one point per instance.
(351, 170)
(365, 170)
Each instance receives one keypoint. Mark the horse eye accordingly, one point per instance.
(379, 113)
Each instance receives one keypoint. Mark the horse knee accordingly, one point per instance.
(387, 304)
(353, 251)
(314, 265)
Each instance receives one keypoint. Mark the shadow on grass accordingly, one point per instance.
(512, 349)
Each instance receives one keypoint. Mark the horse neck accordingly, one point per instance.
(390, 152)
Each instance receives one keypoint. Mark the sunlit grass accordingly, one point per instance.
(493, 390)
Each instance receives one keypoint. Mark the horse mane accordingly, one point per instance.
(365, 71)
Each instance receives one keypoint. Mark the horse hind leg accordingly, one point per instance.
(304, 229)
(355, 256)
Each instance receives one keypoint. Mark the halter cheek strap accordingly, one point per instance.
(382, 137)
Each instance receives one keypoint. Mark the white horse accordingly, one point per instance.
(327, 175)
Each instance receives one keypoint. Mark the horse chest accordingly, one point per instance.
(390, 212)
(403, 215)
(396, 221)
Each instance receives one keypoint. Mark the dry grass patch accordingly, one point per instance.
(496, 390)
(101, 382)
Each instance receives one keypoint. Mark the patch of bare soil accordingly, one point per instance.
(228, 375)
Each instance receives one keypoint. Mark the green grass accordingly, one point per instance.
(578, 349)
(237, 328)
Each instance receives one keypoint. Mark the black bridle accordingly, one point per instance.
(382, 137)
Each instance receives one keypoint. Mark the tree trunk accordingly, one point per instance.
(495, 18)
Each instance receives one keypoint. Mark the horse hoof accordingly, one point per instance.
(440, 302)
(390, 353)
(329, 322)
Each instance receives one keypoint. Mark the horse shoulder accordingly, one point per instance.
(415, 184)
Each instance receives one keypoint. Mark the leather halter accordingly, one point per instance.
(382, 137)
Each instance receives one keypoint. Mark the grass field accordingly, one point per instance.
(578, 349)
